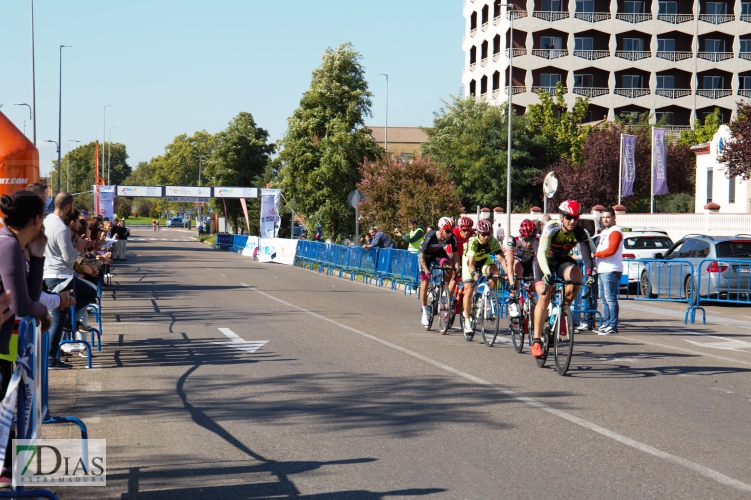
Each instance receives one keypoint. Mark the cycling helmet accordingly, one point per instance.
(466, 223)
(570, 207)
(446, 223)
(527, 229)
(484, 226)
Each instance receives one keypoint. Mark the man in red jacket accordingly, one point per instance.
(609, 257)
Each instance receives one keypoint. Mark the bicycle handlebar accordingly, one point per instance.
(569, 282)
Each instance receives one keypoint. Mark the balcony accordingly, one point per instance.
(484, 62)
(517, 52)
(591, 91)
(715, 56)
(633, 18)
(632, 55)
(592, 55)
(714, 93)
(675, 56)
(592, 17)
(496, 57)
(716, 18)
(746, 18)
(673, 93)
(549, 53)
(472, 67)
(518, 90)
(745, 55)
(484, 26)
(549, 90)
(517, 14)
(550, 16)
(675, 18)
(631, 93)
(496, 93)
(744, 92)
(473, 32)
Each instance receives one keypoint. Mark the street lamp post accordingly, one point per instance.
(104, 129)
(31, 118)
(200, 205)
(60, 117)
(58, 166)
(33, 82)
(387, 111)
(510, 9)
(67, 165)
(109, 155)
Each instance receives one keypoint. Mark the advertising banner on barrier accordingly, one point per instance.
(278, 250)
(270, 218)
(107, 202)
(250, 246)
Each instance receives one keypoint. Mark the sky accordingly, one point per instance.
(169, 67)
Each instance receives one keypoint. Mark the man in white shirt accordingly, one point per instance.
(609, 257)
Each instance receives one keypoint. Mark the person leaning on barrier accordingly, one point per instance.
(414, 238)
(380, 239)
(609, 257)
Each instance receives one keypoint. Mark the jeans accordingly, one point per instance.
(85, 295)
(609, 285)
(590, 319)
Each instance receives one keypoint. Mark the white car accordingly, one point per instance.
(640, 243)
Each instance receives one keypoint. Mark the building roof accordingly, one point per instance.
(701, 149)
(413, 135)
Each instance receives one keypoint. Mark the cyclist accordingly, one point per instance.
(433, 251)
(520, 258)
(477, 261)
(463, 233)
(558, 238)
(153, 225)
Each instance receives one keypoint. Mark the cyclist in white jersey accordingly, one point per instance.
(520, 259)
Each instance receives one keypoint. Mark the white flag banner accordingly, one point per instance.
(107, 202)
(270, 218)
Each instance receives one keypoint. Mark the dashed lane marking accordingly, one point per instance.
(237, 342)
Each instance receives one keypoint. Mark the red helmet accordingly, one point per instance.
(528, 229)
(446, 223)
(484, 226)
(570, 207)
(466, 223)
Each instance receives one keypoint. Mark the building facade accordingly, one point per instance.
(404, 142)
(676, 59)
(713, 188)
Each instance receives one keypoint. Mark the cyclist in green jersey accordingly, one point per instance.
(558, 238)
(476, 260)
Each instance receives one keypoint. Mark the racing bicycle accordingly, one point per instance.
(436, 291)
(523, 324)
(485, 312)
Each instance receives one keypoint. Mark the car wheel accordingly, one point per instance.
(687, 287)
(645, 287)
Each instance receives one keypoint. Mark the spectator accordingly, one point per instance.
(319, 234)
(500, 234)
(380, 239)
(586, 322)
(609, 256)
(122, 240)
(365, 240)
(414, 238)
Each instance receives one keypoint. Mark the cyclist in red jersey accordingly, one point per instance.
(462, 233)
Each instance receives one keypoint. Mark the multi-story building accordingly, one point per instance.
(677, 59)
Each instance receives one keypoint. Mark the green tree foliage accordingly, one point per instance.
(125, 209)
(396, 191)
(558, 126)
(737, 154)
(141, 176)
(178, 166)
(470, 138)
(702, 132)
(326, 141)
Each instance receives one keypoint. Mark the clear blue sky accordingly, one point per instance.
(170, 67)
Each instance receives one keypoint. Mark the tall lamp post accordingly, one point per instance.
(33, 82)
(60, 117)
(200, 205)
(387, 111)
(109, 155)
(31, 118)
(67, 165)
(104, 129)
(58, 166)
(510, 10)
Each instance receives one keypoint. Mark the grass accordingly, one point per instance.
(130, 221)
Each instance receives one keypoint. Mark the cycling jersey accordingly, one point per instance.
(521, 252)
(555, 247)
(460, 241)
(481, 252)
(432, 246)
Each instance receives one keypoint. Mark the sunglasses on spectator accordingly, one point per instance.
(484, 234)
(570, 217)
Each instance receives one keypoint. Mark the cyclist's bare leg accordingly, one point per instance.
(518, 273)
(468, 287)
(572, 273)
(492, 269)
(424, 284)
(543, 301)
(450, 277)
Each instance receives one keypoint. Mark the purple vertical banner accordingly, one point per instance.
(628, 163)
(659, 167)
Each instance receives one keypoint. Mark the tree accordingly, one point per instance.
(737, 153)
(702, 132)
(179, 165)
(124, 210)
(396, 191)
(470, 138)
(326, 141)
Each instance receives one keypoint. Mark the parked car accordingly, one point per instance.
(640, 243)
(178, 222)
(728, 275)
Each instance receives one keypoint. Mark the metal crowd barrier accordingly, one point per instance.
(727, 281)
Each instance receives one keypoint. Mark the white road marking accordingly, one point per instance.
(690, 351)
(164, 239)
(651, 450)
(726, 344)
(230, 334)
(152, 239)
(223, 276)
(175, 239)
(243, 284)
(237, 342)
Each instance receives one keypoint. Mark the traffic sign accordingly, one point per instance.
(355, 197)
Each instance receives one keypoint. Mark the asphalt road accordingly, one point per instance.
(350, 398)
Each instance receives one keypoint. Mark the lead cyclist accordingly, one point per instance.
(556, 242)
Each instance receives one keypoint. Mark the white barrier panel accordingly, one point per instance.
(250, 246)
(277, 250)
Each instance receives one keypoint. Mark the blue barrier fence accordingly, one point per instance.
(726, 281)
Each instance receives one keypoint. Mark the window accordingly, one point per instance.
(549, 79)
(665, 82)
(714, 45)
(633, 7)
(406, 157)
(668, 7)
(686, 249)
(496, 8)
(710, 174)
(675, 252)
(664, 117)
(551, 5)
(731, 190)
(717, 8)
(701, 250)
(586, 43)
(734, 248)
(745, 8)
(647, 243)
(585, 6)
(633, 44)
(586, 81)
(666, 45)
(472, 87)
(551, 42)
(745, 82)
(632, 81)
(714, 82)
(587, 118)
(745, 45)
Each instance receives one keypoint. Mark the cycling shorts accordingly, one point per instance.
(558, 267)
(480, 265)
(529, 268)
(439, 259)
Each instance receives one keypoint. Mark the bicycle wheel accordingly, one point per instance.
(563, 346)
(444, 311)
(431, 307)
(489, 327)
(517, 333)
(545, 347)
(473, 317)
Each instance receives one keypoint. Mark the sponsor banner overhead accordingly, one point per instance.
(278, 250)
(235, 192)
(188, 191)
(140, 191)
(188, 199)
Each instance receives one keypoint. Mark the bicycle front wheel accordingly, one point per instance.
(515, 329)
(490, 320)
(444, 311)
(563, 345)
(545, 347)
